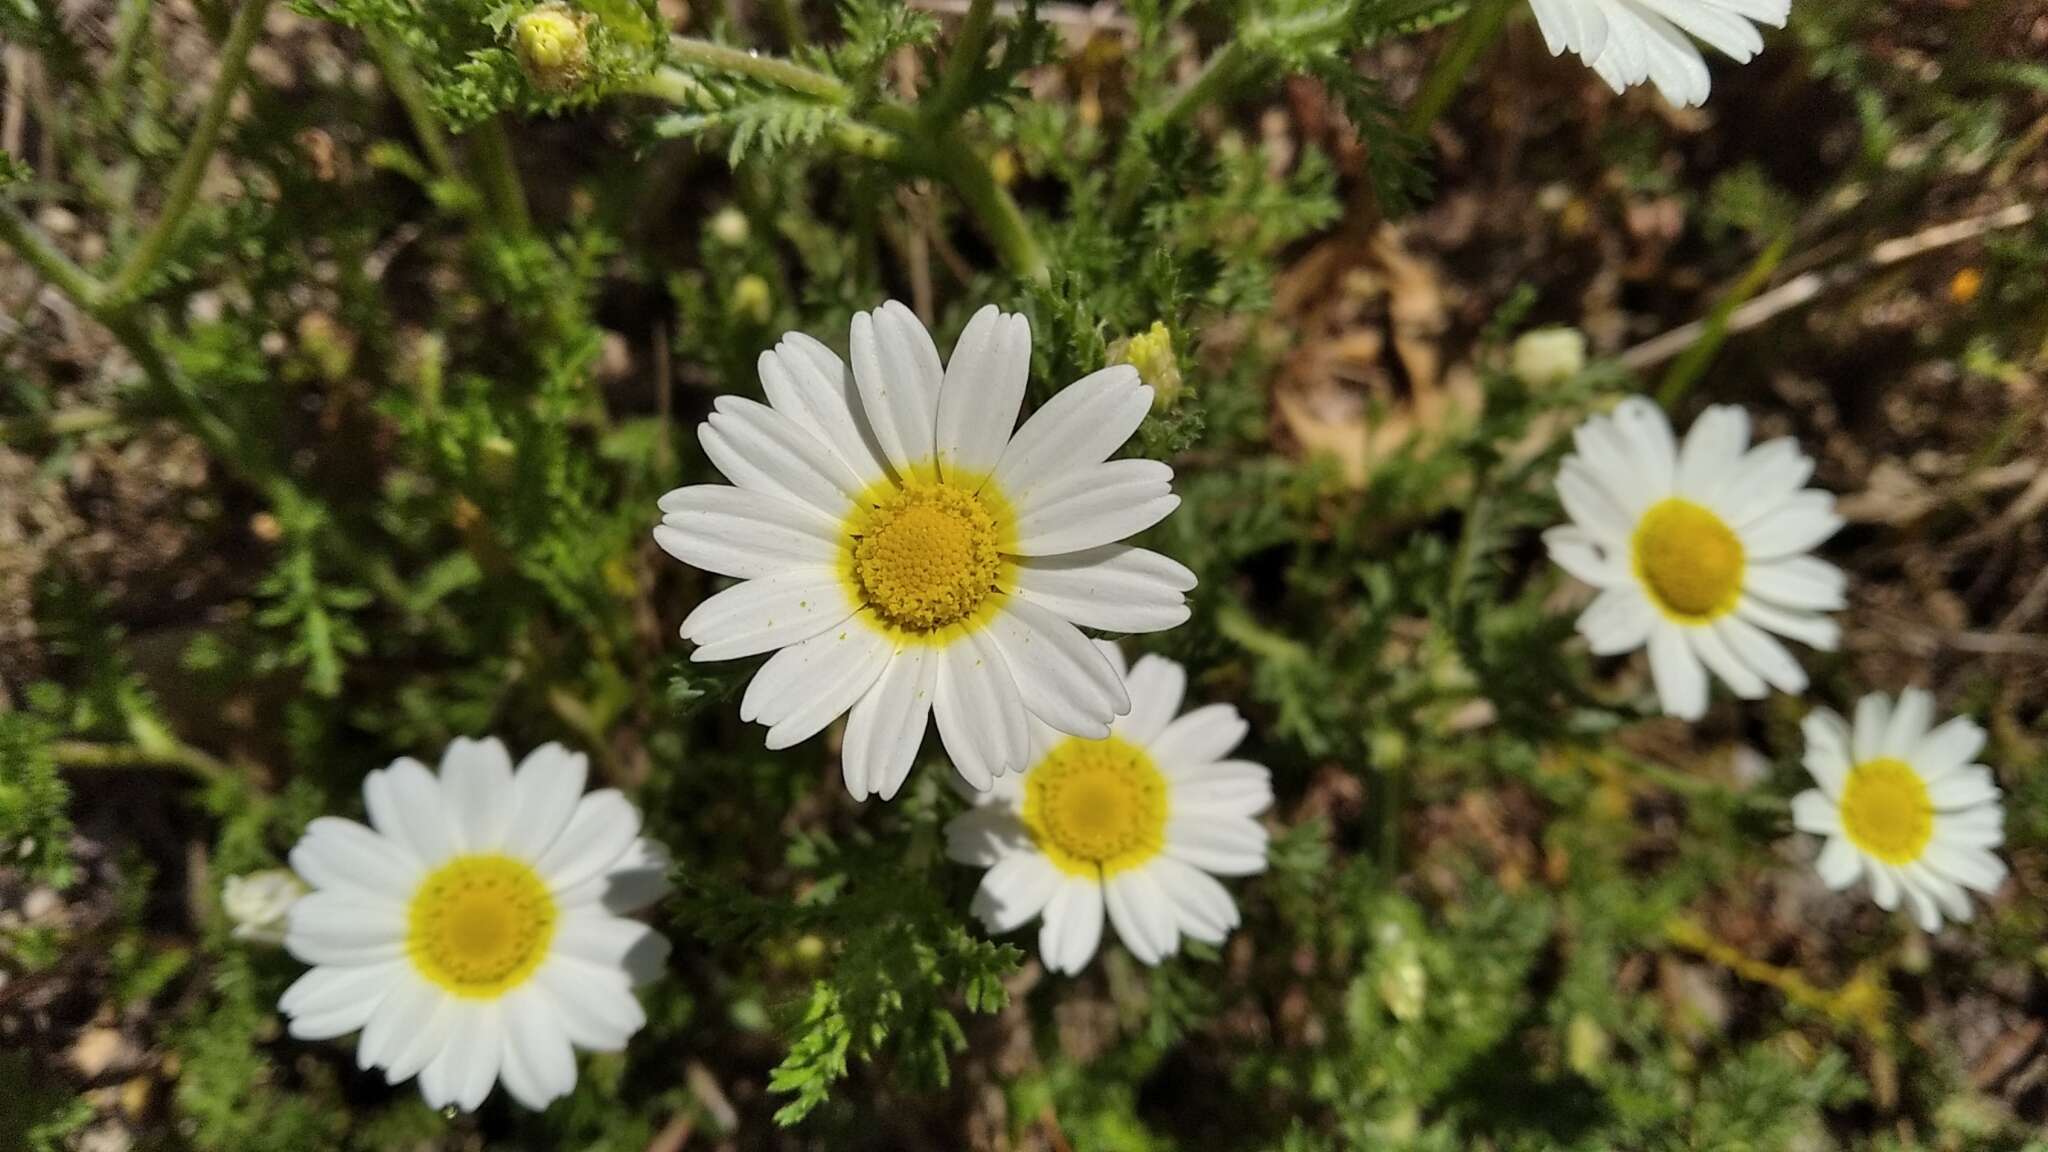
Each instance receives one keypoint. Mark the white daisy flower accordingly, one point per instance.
(1139, 824)
(1699, 552)
(911, 558)
(1903, 805)
(474, 930)
(1630, 41)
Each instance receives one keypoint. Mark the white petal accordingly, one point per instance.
(595, 1005)
(1225, 846)
(1757, 650)
(1592, 509)
(1073, 925)
(771, 612)
(887, 724)
(1909, 723)
(428, 1035)
(737, 533)
(388, 1033)
(539, 1066)
(1947, 748)
(1973, 868)
(1081, 425)
(1798, 525)
(761, 450)
(1964, 788)
(1768, 476)
(1205, 910)
(344, 856)
(1866, 735)
(985, 834)
(806, 382)
(980, 712)
(1681, 680)
(1713, 448)
(1647, 434)
(983, 389)
(1817, 632)
(1142, 914)
(477, 1040)
(1090, 507)
(1714, 651)
(897, 368)
(1222, 788)
(1920, 900)
(1605, 453)
(1014, 889)
(476, 783)
(1827, 750)
(1618, 620)
(600, 832)
(636, 880)
(1673, 62)
(835, 666)
(612, 944)
(1884, 885)
(1205, 735)
(1724, 30)
(336, 1000)
(1063, 680)
(405, 803)
(1838, 864)
(1579, 552)
(1813, 812)
(1116, 588)
(1156, 685)
(544, 794)
(334, 928)
(1801, 583)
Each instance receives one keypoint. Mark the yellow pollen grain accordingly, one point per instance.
(1690, 561)
(1886, 810)
(925, 555)
(1096, 807)
(480, 925)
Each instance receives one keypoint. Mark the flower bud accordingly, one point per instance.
(1548, 355)
(552, 47)
(1151, 353)
(257, 903)
(752, 300)
(730, 227)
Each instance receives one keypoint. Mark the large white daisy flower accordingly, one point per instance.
(911, 558)
(473, 931)
(1630, 41)
(1903, 805)
(1699, 552)
(1140, 823)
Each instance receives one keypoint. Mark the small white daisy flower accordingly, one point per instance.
(911, 558)
(474, 931)
(1903, 805)
(257, 903)
(1139, 824)
(1699, 552)
(1629, 41)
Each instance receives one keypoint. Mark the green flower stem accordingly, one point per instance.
(29, 243)
(191, 168)
(771, 69)
(79, 754)
(493, 154)
(1481, 26)
(997, 212)
(970, 52)
(405, 84)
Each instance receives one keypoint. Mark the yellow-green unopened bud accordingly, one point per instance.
(752, 300)
(1151, 353)
(498, 462)
(1548, 356)
(552, 48)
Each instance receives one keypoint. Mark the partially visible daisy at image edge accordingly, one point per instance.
(1700, 552)
(1137, 827)
(1629, 41)
(475, 930)
(908, 558)
(1904, 806)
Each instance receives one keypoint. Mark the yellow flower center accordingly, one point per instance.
(1886, 810)
(1096, 806)
(1689, 559)
(927, 555)
(479, 925)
